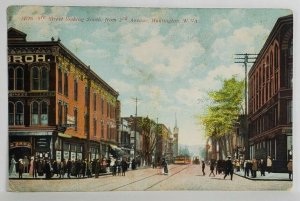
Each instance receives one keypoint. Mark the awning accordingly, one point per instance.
(115, 147)
(29, 133)
(64, 135)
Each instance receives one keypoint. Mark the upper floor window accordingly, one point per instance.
(19, 79)
(290, 47)
(39, 78)
(271, 64)
(289, 111)
(11, 79)
(75, 118)
(75, 89)
(66, 84)
(11, 113)
(44, 113)
(276, 56)
(86, 96)
(19, 113)
(59, 80)
(95, 101)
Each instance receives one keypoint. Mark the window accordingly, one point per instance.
(59, 80)
(11, 111)
(60, 111)
(86, 123)
(65, 114)
(102, 105)
(108, 131)
(19, 78)
(289, 111)
(34, 113)
(11, 79)
(66, 84)
(44, 78)
(35, 78)
(95, 101)
(95, 127)
(75, 89)
(276, 56)
(44, 113)
(75, 119)
(86, 96)
(19, 118)
(271, 64)
(102, 129)
(290, 47)
(108, 108)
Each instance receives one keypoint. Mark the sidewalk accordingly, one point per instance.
(27, 176)
(269, 176)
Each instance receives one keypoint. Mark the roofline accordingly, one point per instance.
(57, 43)
(280, 21)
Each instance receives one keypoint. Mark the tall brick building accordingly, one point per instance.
(271, 97)
(58, 107)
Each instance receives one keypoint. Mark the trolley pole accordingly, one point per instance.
(135, 126)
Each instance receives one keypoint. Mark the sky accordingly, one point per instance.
(168, 58)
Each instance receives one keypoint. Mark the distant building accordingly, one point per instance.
(175, 139)
(58, 107)
(271, 97)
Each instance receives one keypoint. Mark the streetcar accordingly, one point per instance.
(182, 160)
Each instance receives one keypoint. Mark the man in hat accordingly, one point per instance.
(21, 168)
(228, 168)
(269, 164)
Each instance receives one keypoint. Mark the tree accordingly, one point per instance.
(222, 114)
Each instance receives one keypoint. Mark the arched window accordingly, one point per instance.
(44, 78)
(34, 113)
(44, 113)
(276, 56)
(11, 113)
(19, 78)
(11, 79)
(271, 64)
(35, 76)
(66, 84)
(290, 47)
(75, 119)
(59, 80)
(19, 114)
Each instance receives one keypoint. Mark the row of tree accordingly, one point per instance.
(221, 115)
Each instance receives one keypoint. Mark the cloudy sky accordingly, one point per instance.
(169, 65)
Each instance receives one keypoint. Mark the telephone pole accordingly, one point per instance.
(135, 125)
(245, 58)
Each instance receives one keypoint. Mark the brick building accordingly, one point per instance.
(58, 107)
(270, 97)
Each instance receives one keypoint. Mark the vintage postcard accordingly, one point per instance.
(149, 99)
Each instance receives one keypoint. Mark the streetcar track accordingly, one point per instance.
(141, 179)
(166, 178)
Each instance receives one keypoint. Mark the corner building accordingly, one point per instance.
(271, 97)
(58, 107)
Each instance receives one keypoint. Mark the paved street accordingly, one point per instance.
(181, 177)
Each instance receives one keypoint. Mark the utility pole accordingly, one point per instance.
(245, 59)
(135, 125)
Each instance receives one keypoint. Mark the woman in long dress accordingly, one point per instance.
(31, 166)
(12, 168)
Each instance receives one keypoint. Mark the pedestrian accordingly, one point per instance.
(237, 165)
(124, 167)
(69, 168)
(55, 168)
(228, 168)
(262, 167)
(83, 168)
(47, 169)
(203, 167)
(21, 168)
(254, 168)
(61, 168)
(247, 168)
(290, 169)
(212, 168)
(165, 167)
(269, 164)
(12, 168)
(31, 166)
(26, 164)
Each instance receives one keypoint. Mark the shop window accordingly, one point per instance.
(34, 113)
(19, 78)
(11, 111)
(11, 79)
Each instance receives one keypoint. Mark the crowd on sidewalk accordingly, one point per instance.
(43, 167)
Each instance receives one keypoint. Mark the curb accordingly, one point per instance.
(256, 179)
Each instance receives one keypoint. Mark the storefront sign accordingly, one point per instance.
(29, 58)
(58, 156)
(19, 144)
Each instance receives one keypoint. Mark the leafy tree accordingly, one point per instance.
(222, 114)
